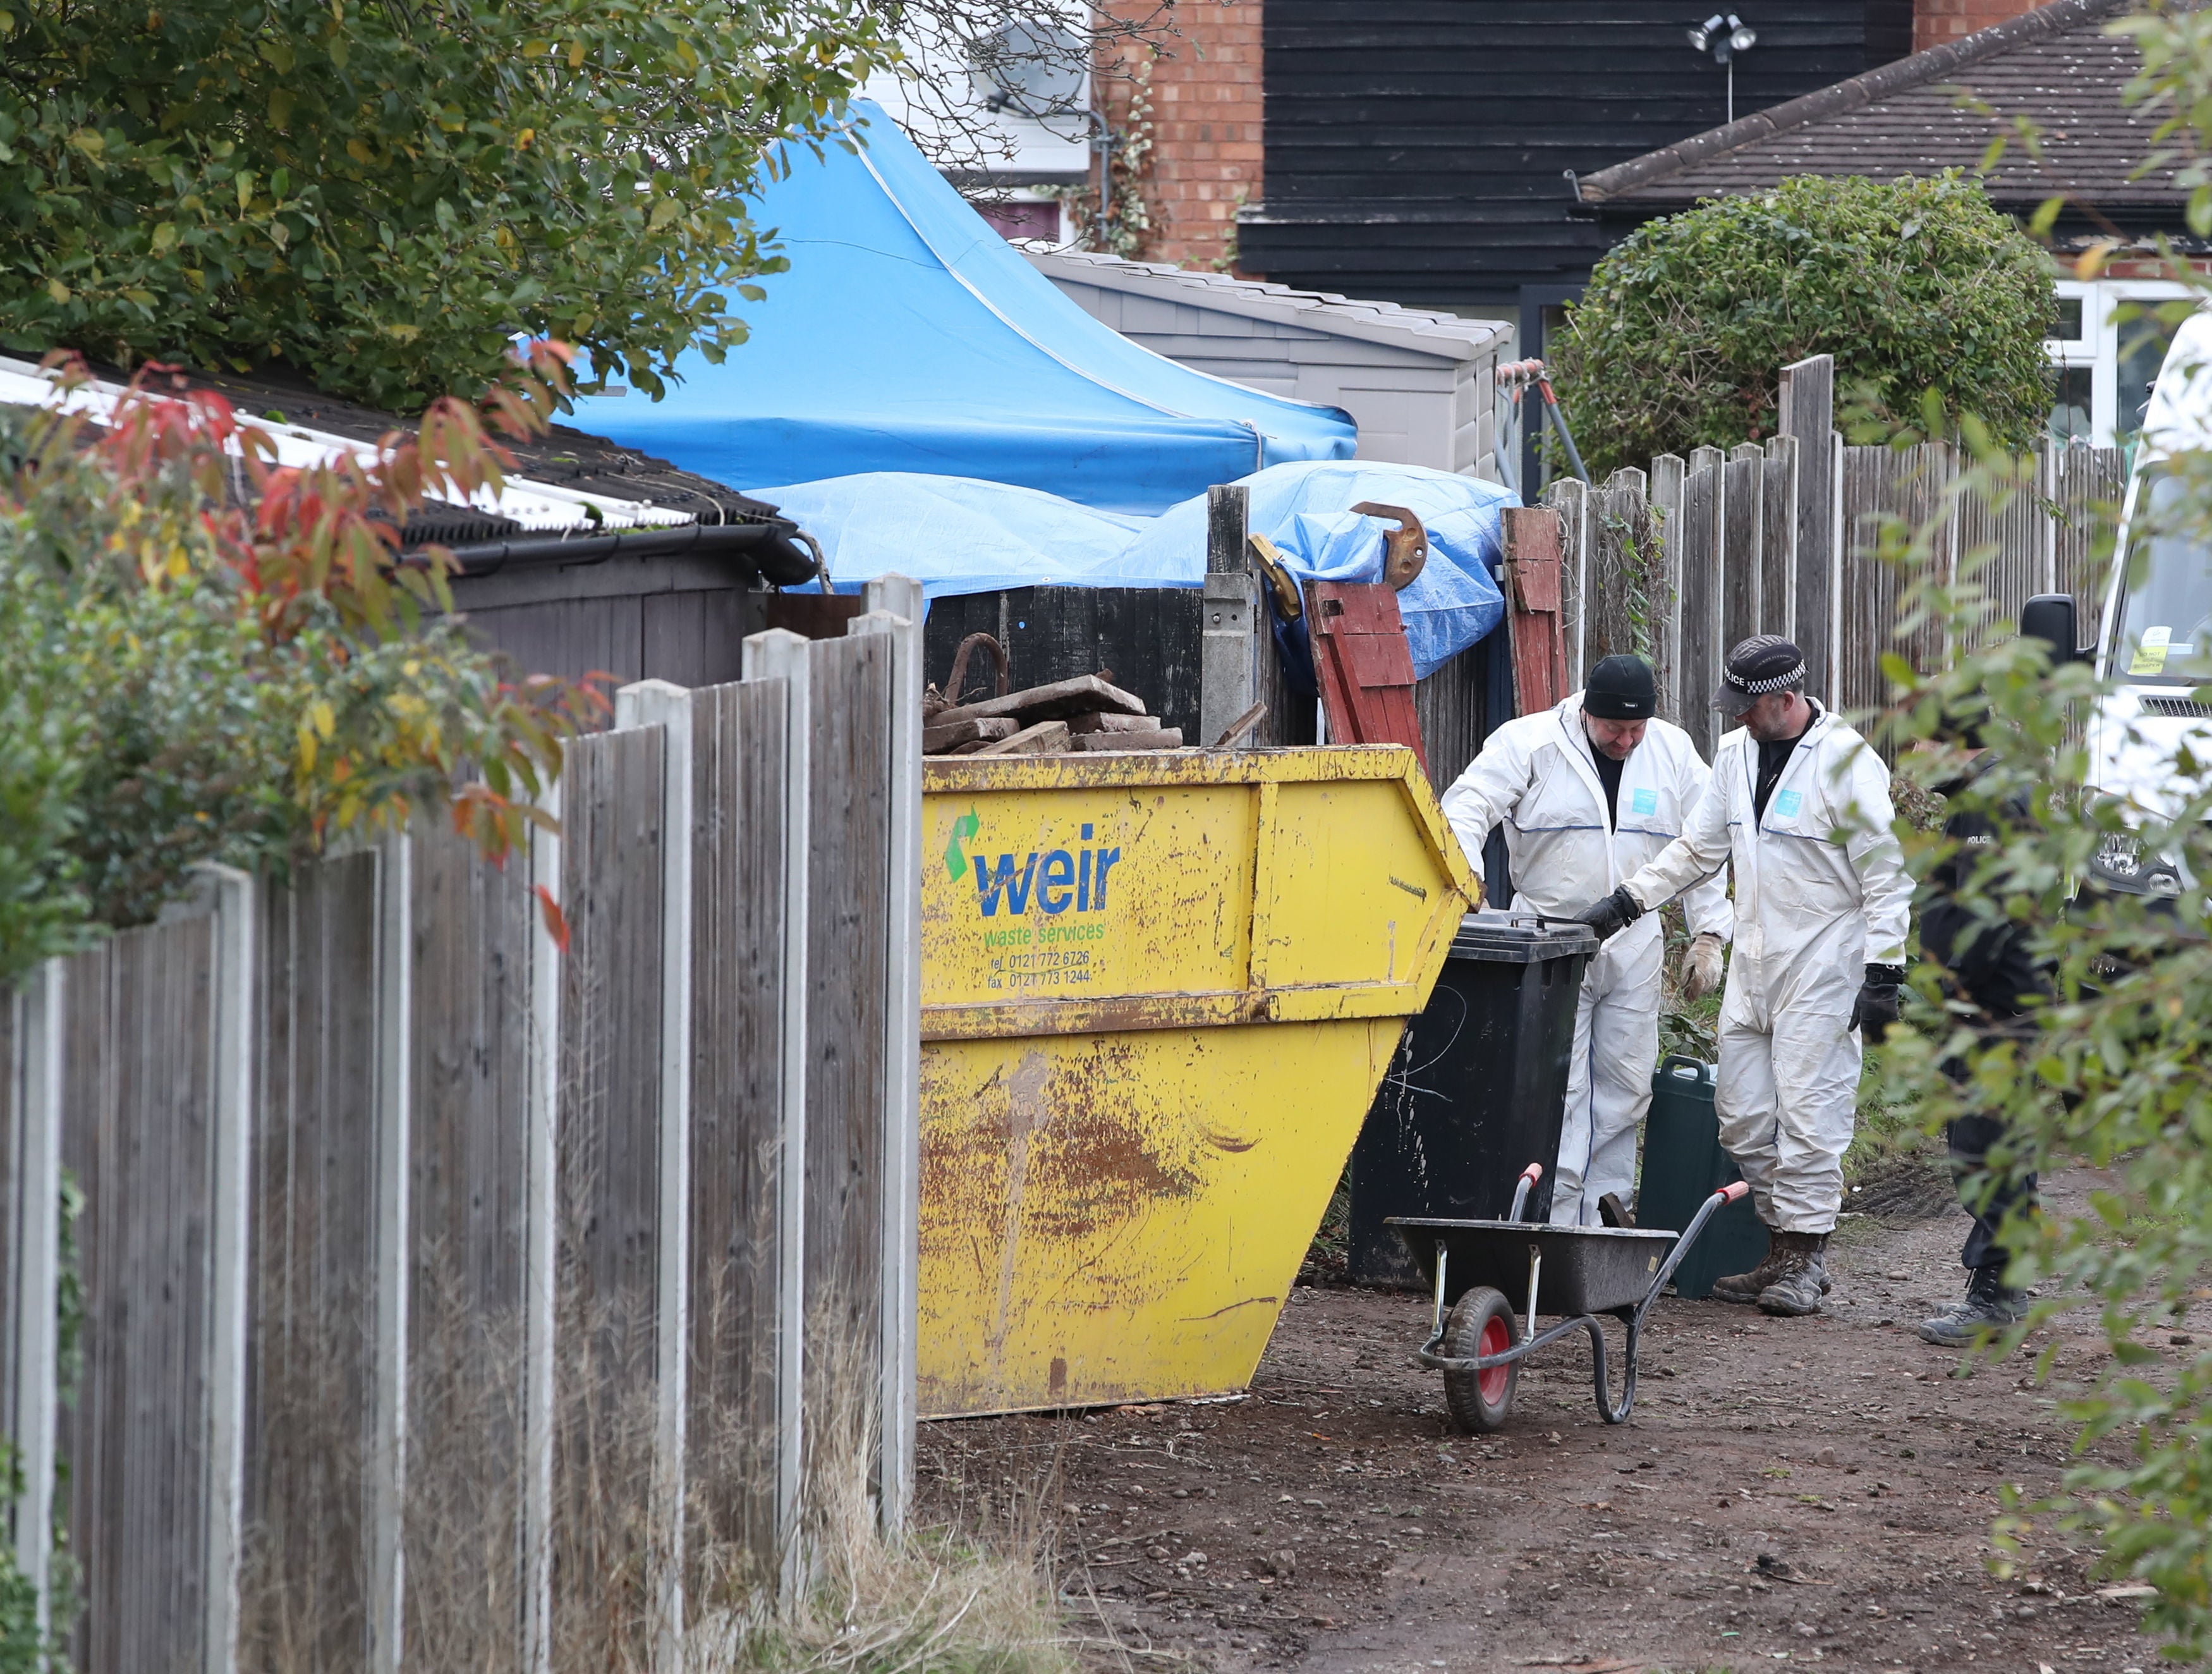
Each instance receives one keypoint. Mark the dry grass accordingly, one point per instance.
(975, 1601)
(462, 1525)
(305, 1574)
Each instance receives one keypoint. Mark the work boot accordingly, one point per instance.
(1746, 1287)
(1800, 1275)
(1612, 1212)
(1989, 1304)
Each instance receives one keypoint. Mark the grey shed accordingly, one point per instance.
(1421, 385)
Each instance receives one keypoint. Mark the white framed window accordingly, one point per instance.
(2106, 365)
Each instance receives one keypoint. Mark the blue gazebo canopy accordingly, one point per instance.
(908, 336)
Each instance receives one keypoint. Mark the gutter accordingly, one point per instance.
(771, 547)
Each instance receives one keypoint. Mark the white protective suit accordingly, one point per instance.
(1822, 892)
(1538, 774)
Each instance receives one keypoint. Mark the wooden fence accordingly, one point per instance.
(1681, 562)
(450, 1299)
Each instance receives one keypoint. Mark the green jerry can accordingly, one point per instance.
(1683, 1165)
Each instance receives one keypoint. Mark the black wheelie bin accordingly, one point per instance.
(1476, 1092)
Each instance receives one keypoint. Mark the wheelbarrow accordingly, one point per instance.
(1579, 1272)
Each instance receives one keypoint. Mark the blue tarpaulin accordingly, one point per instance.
(908, 336)
(958, 536)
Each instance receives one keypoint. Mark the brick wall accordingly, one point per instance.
(1936, 21)
(1206, 149)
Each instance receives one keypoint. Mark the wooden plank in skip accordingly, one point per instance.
(1364, 668)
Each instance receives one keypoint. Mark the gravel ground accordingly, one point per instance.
(1815, 1490)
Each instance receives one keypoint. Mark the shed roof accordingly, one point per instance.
(1447, 336)
(1936, 110)
(568, 485)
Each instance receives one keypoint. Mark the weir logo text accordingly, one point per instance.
(1050, 882)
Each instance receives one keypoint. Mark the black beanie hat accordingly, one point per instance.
(1621, 689)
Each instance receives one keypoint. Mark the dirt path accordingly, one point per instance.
(1816, 1490)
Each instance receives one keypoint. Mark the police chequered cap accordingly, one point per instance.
(1761, 664)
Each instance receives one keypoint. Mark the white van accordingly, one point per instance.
(2157, 636)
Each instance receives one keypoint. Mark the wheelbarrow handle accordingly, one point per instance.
(1733, 1191)
(1529, 1177)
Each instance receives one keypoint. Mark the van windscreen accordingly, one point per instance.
(2166, 612)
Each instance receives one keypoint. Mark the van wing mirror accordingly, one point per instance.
(2052, 618)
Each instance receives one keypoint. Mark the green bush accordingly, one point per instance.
(380, 196)
(1913, 286)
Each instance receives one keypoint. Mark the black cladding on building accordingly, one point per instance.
(1418, 150)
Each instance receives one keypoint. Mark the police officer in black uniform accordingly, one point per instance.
(1992, 966)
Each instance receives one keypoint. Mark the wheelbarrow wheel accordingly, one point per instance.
(1481, 1322)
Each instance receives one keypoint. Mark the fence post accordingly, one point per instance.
(1228, 660)
(542, 1240)
(664, 704)
(395, 1019)
(237, 1014)
(779, 655)
(1809, 413)
(40, 1032)
(895, 608)
(1667, 472)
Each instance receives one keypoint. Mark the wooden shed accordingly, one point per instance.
(1419, 384)
(596, 558)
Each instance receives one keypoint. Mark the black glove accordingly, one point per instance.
(1614, 914)
(1877, 1006)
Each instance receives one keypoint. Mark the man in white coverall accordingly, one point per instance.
(1588, 792)
(1800, 806)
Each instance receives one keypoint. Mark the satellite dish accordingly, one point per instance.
(1032, 69)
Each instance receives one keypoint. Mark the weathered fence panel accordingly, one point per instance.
(1621, 587)
(1576, 504)
(736, 1421)
(1702, 550)
(1781, 538)
(848, 828)
(311, 1346)
(605, 1398)
(1777, 537)
(1882, 484)
(2087, 486)
(1867, 602)
(453, 1231)
(1453, 705)
(2005, 539)
(468, 1187)
(1809, 416)
(1743, 529)
(151, 1124)
(1667, 471)
(142, 1147)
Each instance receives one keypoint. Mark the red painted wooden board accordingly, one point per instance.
(1364, 665)
(1534, 585)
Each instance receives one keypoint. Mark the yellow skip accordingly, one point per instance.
(1159, 992)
